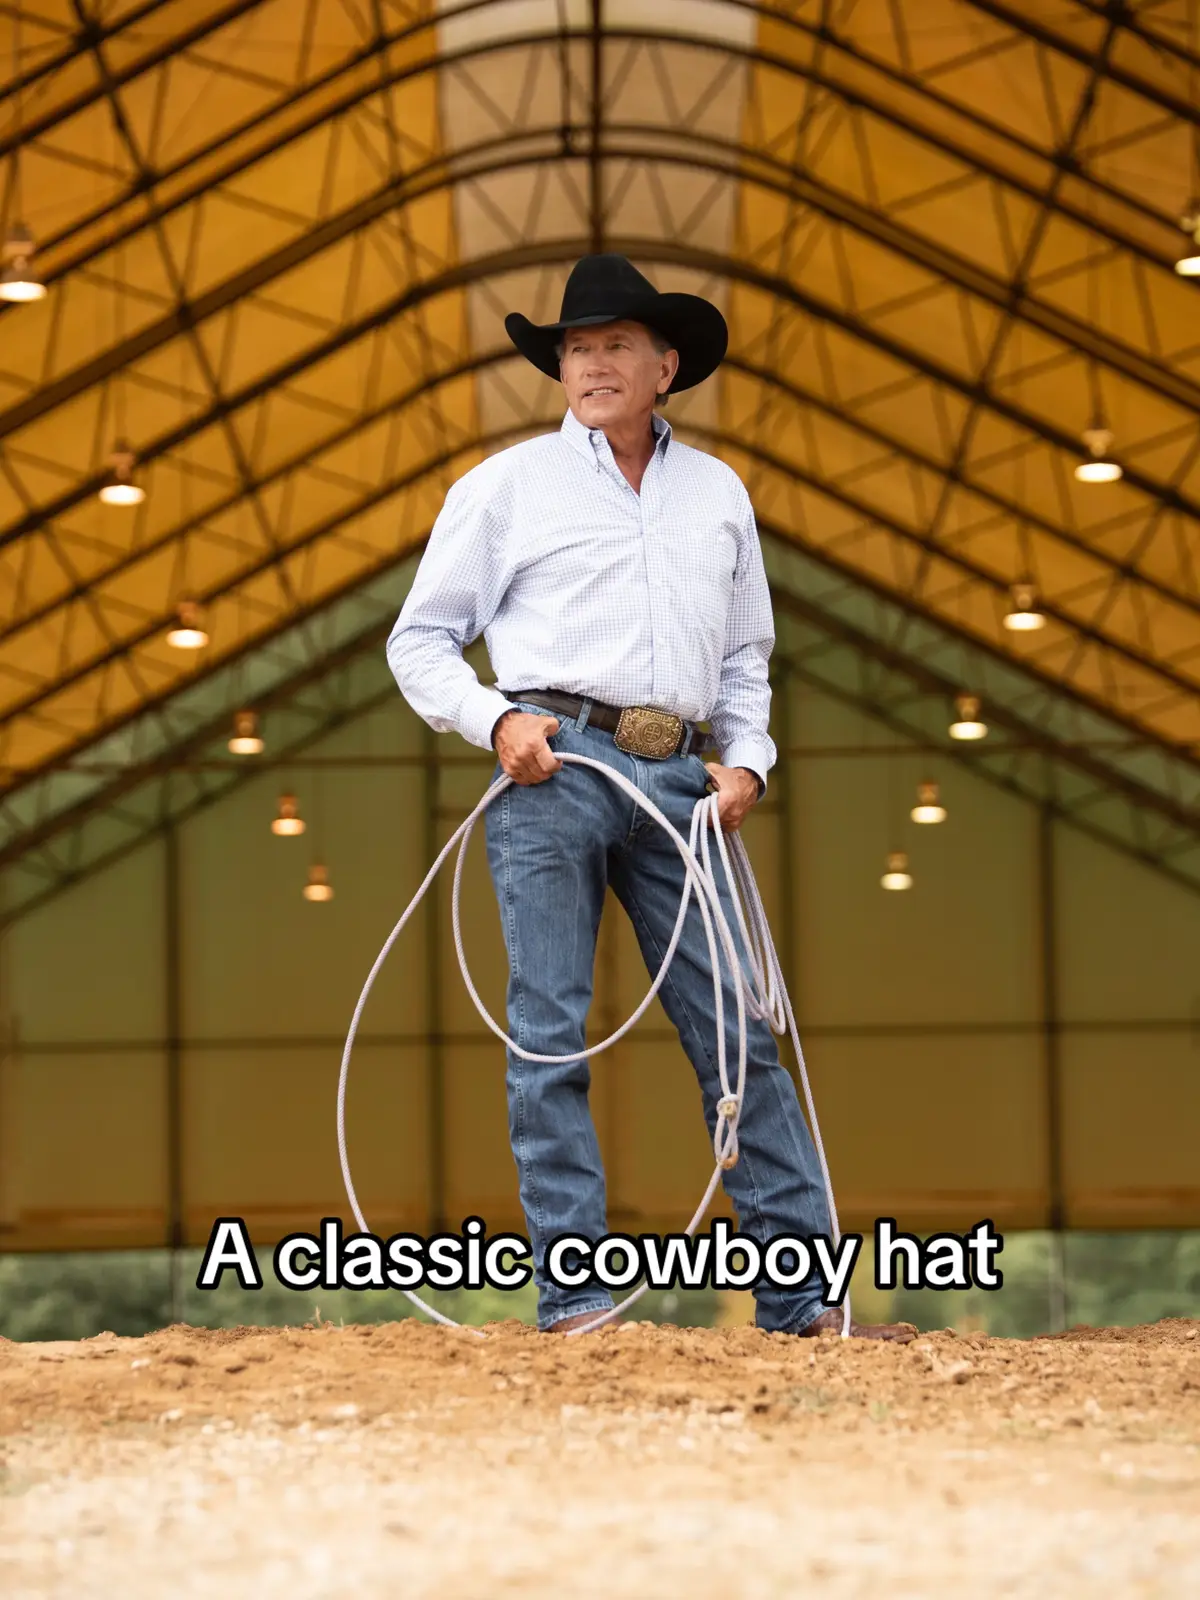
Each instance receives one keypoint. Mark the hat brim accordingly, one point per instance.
(695, 327)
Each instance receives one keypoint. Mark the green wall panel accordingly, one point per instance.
(925, 1016)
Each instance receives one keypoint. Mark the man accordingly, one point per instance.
(612, 570)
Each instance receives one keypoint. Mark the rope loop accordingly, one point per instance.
(760, 994)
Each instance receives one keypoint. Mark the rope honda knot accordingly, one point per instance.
(761, 994)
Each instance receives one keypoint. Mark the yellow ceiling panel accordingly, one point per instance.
(36, 479)
(198, 80)
(230, 235)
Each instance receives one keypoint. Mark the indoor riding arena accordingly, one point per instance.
(256, 258)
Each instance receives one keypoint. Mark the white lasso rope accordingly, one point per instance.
(763, 994)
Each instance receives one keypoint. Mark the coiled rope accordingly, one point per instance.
(761, 994)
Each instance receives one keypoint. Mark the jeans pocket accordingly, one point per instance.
(540, 711)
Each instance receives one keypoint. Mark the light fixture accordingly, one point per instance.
(246, 740)
(897, 875)
(19, 280)
(967, 724)
(188, 632)
(1188, 265)
(928, 807)
(1024, 616)
(120, 488)
(1101, 468)
(289, 822)
(318, 886)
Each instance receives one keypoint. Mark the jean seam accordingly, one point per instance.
(639, 817)
(525, 1166)
(635, 909)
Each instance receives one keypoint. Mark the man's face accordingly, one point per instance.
(612, 372)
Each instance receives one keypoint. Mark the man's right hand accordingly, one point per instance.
(520, 741)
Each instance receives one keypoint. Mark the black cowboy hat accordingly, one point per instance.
(609, 288)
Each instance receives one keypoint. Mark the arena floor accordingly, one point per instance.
(637, 1462)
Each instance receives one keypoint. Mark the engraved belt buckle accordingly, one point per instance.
(642, 731)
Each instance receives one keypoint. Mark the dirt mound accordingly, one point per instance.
(1169, 1331)
(1140, 1379)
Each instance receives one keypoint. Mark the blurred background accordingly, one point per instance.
(256, 257)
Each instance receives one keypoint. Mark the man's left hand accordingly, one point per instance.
(737, 790)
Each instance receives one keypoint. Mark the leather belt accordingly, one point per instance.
(638, 730)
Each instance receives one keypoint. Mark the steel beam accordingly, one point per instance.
(807, 665)
(1056, 1220)
(825, 38)
(929, 685)
(389, 488)
(1052, 1053)
(92, 33)
(812, 399)
(1106, 776)
(953, 558)
(596, 130)
(798, 394)
(1119, 14)
(184, 317)
(173, 1034)
(711, 157)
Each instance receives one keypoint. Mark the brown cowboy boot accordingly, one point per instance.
(831, 1322)
(565, 1324)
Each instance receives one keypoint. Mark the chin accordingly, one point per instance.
(610, 407)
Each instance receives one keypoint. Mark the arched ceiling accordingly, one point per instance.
(280, 239)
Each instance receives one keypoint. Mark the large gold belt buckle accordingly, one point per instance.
(642, 731)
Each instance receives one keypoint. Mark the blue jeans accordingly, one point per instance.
(553, 847)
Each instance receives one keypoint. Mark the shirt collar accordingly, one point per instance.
(585, 439)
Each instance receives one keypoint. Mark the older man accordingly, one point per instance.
(616, 576)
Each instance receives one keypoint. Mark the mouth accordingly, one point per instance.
(597, 394)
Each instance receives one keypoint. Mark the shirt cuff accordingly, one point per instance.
(479, 713)
(745, 753)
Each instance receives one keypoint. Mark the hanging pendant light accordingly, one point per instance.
(19, 279)
(1188, 265)
(189, 632)
(120, 487)
(289, 822)
(246, 740)
(1101, 468)
(929, 807)
(318, 886)
(897, 875)
(967, 724)
(1024, 617)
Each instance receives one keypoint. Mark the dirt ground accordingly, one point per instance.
(640, 1461)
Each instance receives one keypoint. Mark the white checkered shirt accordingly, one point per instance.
(579, 583)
